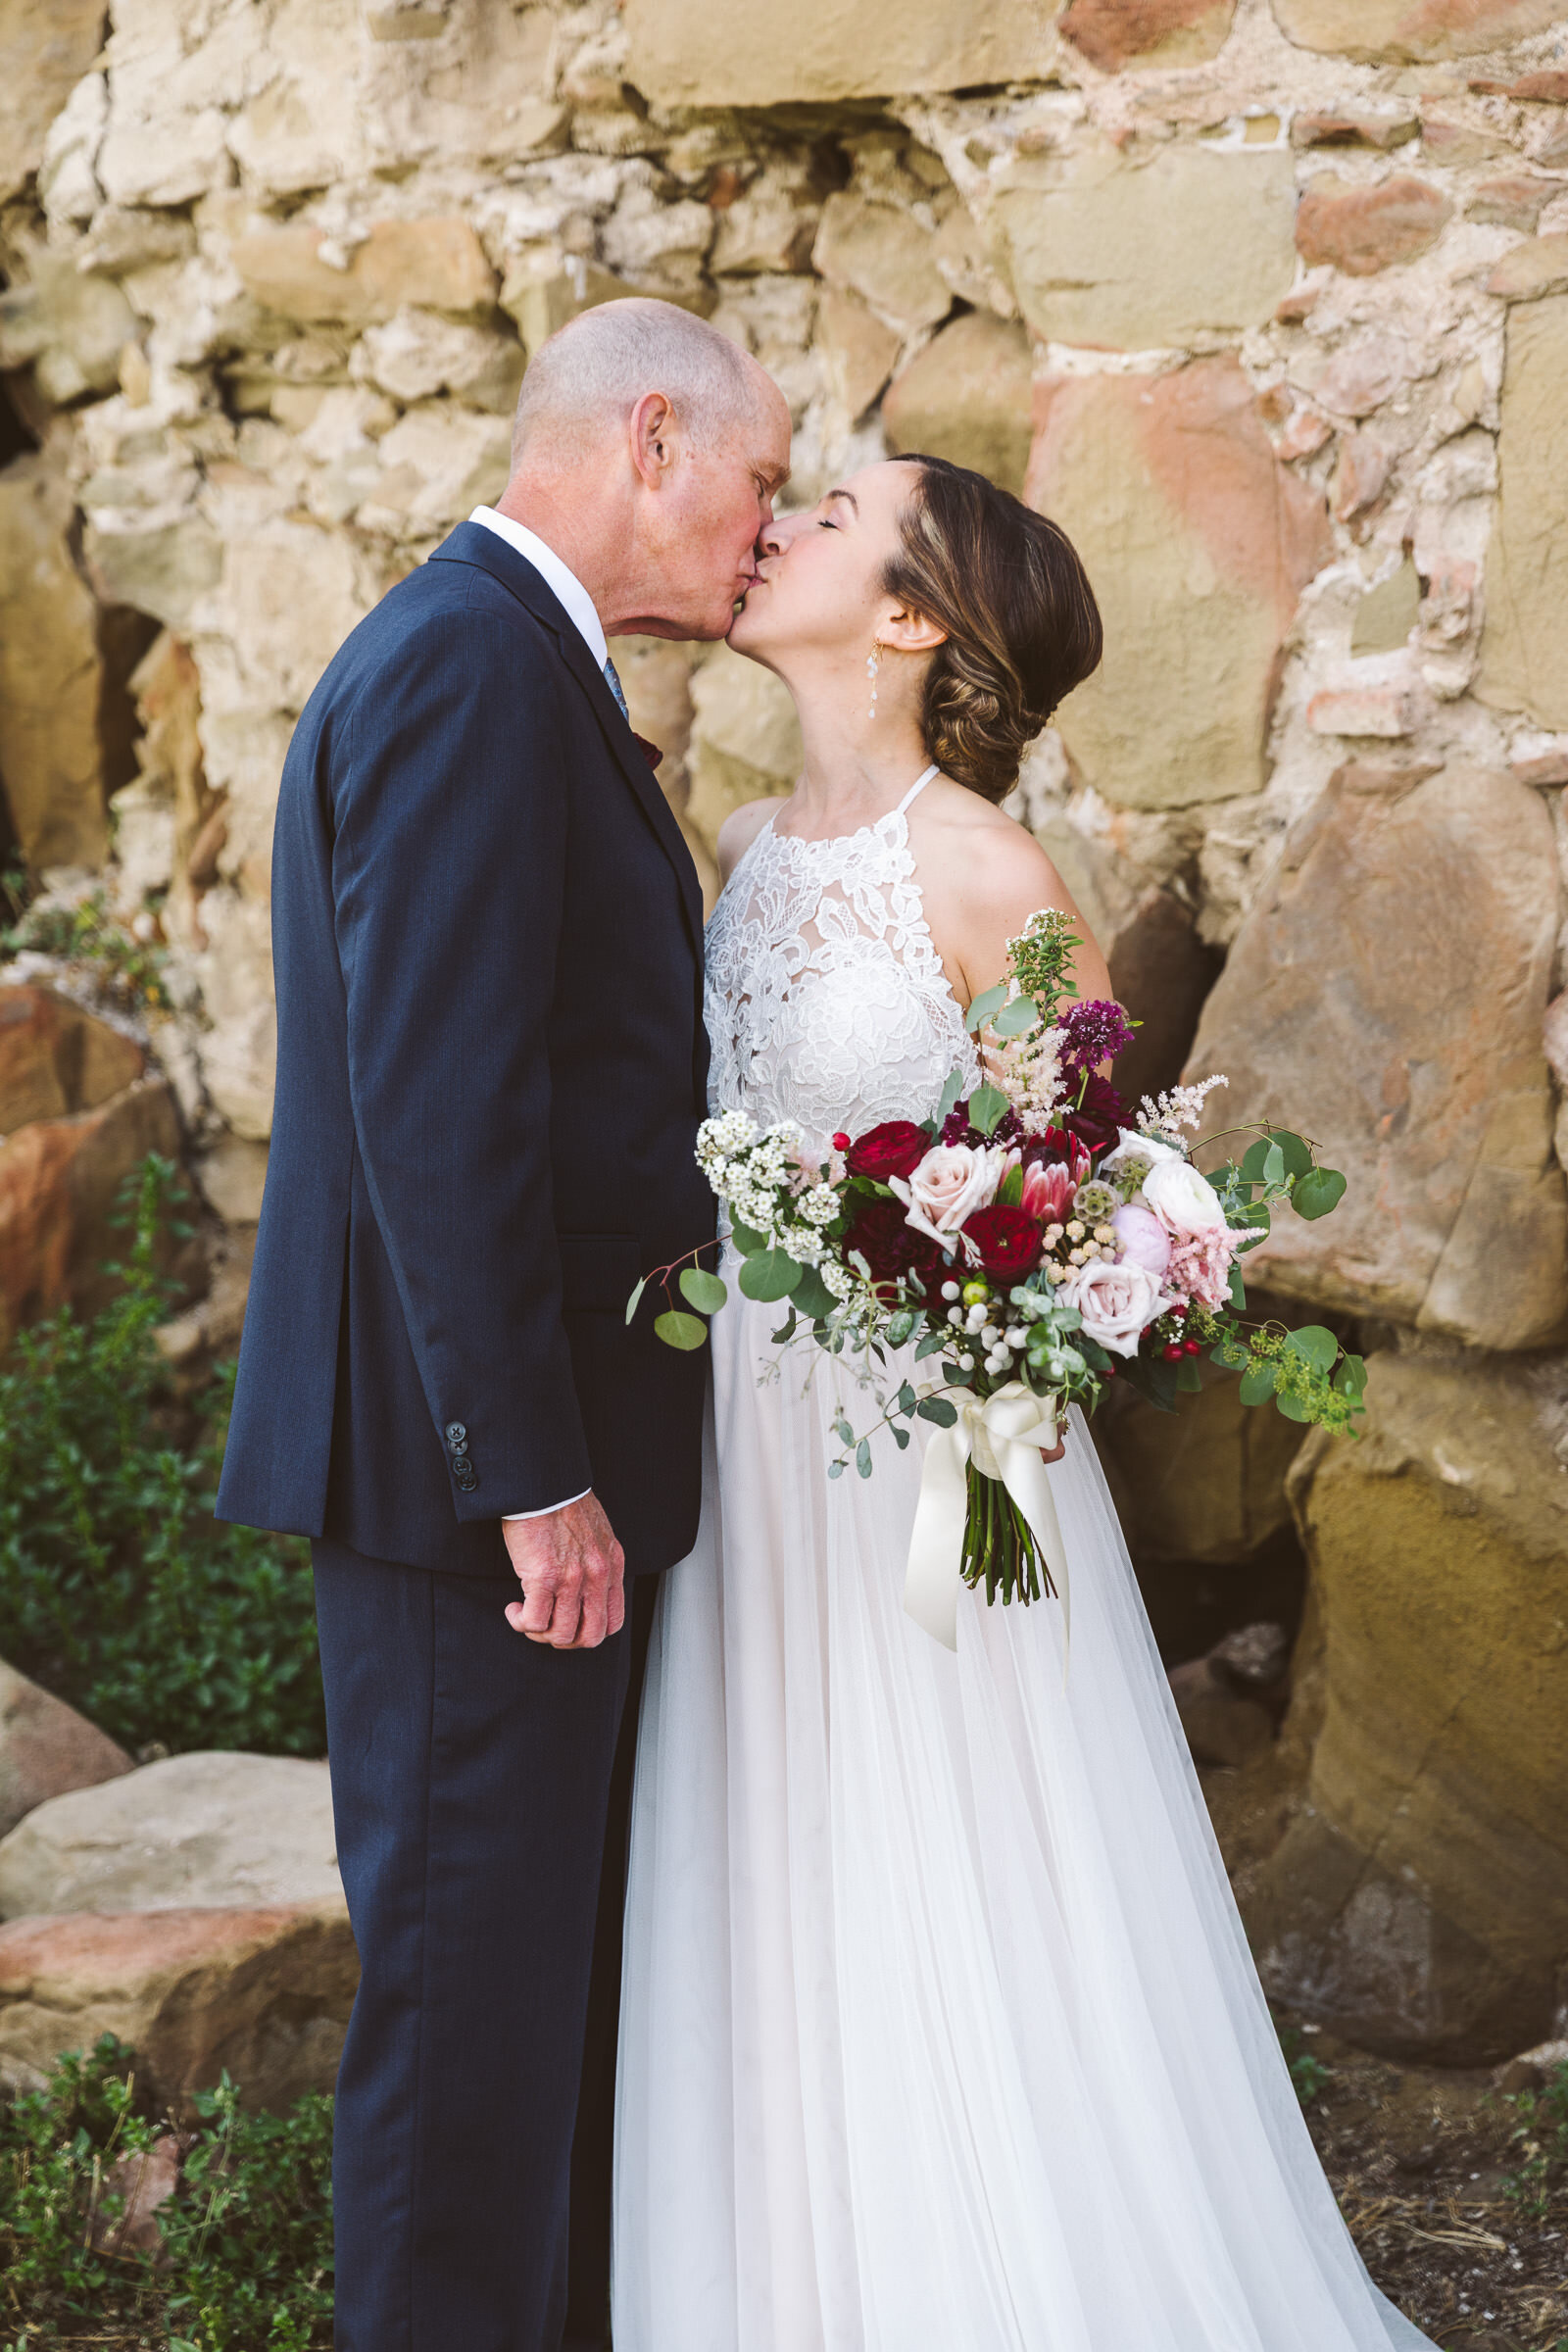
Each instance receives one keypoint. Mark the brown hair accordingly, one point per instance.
(1022, 625)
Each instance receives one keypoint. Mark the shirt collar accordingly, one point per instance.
(563, 584)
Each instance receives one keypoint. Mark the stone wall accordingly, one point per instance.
(1267, 299)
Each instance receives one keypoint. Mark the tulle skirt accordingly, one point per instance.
(940, 2031)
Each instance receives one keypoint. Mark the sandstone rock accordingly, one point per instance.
(265, 1992)
(232, 1176)
(1222, 1726)
(1549, 86)
(436, 264)
(1361, 230)
(60, 1181)
(967, 396)
(71, 326)
(1112, 33)
(746, 739)
(1532, 2070)
(771, 225)
(1353, 124)
(1395, 33)
(419, 353)
(684, 54)
(45, 46)
(1387, 612)
(46, 1749)
(882, 254)
(859, 350)
(193, 1831)
(51, 674)
(437, 465)
(1524, 648)
(1380, 709)
(1538, 267)
(1420, 1904)
(1131, 256)
(1515, 201)
(1207, 1483)
(135, 2189)
(1386, 995)
(1198, 543)
(56, 1060)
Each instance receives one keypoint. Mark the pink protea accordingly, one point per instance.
(1048, 1190)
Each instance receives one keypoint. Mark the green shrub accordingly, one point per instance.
(1540, 2141)
(119, 1590)
(128, 975)
(247, 2255)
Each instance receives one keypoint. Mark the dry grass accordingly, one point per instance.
(1420, 2161)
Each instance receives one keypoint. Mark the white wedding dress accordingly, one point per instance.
(940, 2032)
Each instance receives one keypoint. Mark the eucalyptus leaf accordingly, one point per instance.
(836, 1469)
(1296, 1154)
(932, 1342)
(1316, 1345)
(1350, 1378)
(1013, 1020)
(988, 1107)
(1010, 1193)
(1258, 1382)
(636, 1299)
(901, 1437)
(951, 1090)
(771, 1274)
(1273, 1165)
(863, 1457)
(939, 1410)
(1188, 1376)
(1238, 1290)
(907, 1400)
(1317, 1191)
(787, 1329)
(746, 1240)
(982, 1007)
(1293, 1407)
(685, 1332)
(811, 1297)
(841, 1430)
(702, 1290)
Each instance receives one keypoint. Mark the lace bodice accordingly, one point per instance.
(825, 1000)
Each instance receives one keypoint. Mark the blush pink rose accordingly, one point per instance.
(1185, 1203)
(1140, 1237)
(1116, 1300)
(950, 1184)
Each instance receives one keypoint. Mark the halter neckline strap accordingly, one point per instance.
(916, 788)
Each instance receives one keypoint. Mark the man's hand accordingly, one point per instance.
(572, 1574)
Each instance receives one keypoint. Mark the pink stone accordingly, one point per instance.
(1361, 230)
(1387, 709)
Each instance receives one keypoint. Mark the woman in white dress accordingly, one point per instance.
(940, 2032)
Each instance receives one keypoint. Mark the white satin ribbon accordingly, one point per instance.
(1002, 1435)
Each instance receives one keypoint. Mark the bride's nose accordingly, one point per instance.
(775, 536)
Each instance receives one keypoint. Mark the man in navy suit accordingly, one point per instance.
(487, 936)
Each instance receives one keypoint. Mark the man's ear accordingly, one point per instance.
(910, 632)
(654, 438)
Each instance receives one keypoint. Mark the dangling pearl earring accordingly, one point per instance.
(871, 661)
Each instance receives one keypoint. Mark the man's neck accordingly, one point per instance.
(572, 530)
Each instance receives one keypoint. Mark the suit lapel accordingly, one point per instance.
(472, 543)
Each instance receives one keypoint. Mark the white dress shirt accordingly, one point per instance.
(579, 606)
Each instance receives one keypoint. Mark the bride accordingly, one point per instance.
(940, 2032)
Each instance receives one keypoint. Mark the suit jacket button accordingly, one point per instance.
(459, 1447)
(455, 1433)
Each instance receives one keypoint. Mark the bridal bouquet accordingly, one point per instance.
(1022, 1246)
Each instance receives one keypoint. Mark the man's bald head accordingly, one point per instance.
(585, 382)
(647, 452)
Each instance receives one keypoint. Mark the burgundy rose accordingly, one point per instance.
(892, 1248)
(1100, 1117)
(896, 1148)
(1007, 1240)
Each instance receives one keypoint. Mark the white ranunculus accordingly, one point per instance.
(1185, 1203)
(1116, 1299)
(1135, 1150)
(950, 1184)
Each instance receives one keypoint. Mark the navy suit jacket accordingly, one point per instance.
(487, 943)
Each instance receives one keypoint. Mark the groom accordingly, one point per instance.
(491, 1068)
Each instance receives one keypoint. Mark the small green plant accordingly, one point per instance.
(118, 1591)
(1539, 2141)
(246, 2261)
(1308, 2073)
(129, 974)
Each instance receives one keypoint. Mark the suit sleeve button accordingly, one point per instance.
(455, 1433)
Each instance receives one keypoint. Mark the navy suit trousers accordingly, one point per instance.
(472, 1785)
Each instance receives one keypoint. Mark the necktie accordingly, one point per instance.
(613, 684)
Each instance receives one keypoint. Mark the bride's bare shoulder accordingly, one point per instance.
(738, 832)
(984, 854)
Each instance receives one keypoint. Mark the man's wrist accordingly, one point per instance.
(510, 1518)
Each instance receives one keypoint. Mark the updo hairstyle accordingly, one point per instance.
(1022, 625)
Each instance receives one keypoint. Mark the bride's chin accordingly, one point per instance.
(746, 632)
